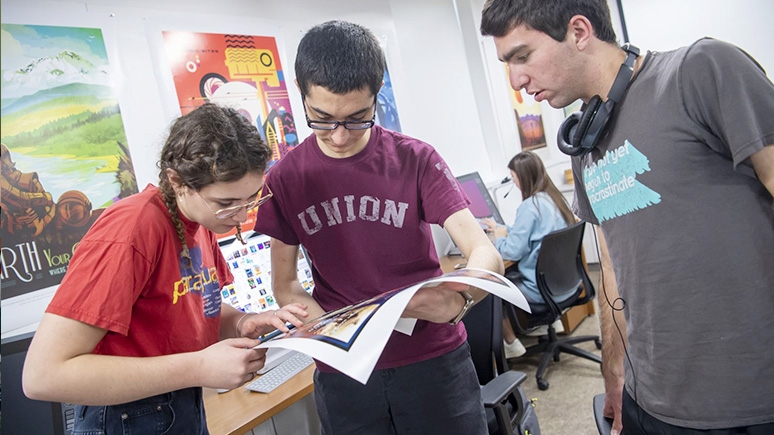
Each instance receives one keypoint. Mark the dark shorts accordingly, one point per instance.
(179, 412)
(437, 396)
(638, 422)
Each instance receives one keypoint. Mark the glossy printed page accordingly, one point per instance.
(352, 339)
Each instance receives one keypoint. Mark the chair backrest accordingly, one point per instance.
(560, 269)
(485, 337)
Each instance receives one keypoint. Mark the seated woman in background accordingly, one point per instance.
(542, 211)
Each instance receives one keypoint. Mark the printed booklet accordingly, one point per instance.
(352, 338)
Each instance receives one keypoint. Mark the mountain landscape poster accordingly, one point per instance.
(64, 150)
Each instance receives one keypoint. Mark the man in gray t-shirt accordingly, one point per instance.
(680, 180)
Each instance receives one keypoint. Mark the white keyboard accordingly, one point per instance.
(281, 373)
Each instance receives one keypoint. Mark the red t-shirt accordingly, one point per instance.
(127, 276)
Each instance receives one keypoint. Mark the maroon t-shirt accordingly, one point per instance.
(365, 222)
(127, 276)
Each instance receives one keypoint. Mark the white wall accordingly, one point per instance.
(666, 24)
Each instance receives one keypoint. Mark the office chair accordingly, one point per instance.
(507, 408)
(560, 274)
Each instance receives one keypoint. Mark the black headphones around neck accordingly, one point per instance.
(580, 132)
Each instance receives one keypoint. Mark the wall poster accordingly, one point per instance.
(386, 110)
(529, 118)
(239, 71)
(64, 151)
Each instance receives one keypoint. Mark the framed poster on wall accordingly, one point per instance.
(64, 152)
(529, 119)
(386, 110)
(239, 71)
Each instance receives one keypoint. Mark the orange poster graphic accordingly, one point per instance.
(239, 71)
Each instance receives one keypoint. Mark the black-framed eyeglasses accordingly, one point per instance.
(333, 125)
(225, 213)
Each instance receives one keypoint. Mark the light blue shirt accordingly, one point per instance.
(535, 217)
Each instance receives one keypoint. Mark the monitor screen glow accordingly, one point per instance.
(251, 291)
(481, 203)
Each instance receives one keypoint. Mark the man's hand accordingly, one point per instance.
(612, 409)
(437, 304)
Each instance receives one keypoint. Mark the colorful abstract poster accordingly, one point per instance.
(529, 118)
(64, 150)
(239, 71)
(386, 110)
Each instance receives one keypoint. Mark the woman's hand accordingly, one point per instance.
(230, 363)
(492, 227)
(490, 224)
(255, 325)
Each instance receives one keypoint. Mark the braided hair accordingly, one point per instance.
(209, 145)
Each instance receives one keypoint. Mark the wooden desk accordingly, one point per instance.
(570, 319)
(239, 410)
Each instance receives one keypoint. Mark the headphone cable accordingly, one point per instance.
(613, 308)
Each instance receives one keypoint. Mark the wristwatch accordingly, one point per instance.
(469, 302)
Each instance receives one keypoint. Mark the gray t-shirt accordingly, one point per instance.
(690, 232)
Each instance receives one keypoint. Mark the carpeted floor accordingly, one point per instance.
(565, 408)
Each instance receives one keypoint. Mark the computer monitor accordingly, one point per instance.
(481, 203)
(250, 264)
(20, 414)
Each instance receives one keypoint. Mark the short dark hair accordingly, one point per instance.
(341, 57)
(548, 16)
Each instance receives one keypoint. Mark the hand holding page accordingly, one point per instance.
(352, 339)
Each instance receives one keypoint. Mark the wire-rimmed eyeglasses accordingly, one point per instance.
(333, 125)
(225, 213)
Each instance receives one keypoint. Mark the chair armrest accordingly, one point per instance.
(604, 424)
(496, 390)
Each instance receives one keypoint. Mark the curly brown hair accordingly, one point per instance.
(209, 145)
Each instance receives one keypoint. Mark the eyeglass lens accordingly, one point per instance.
(333, 125)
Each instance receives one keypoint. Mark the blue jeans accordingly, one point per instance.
(179, 412)
(437, 396)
